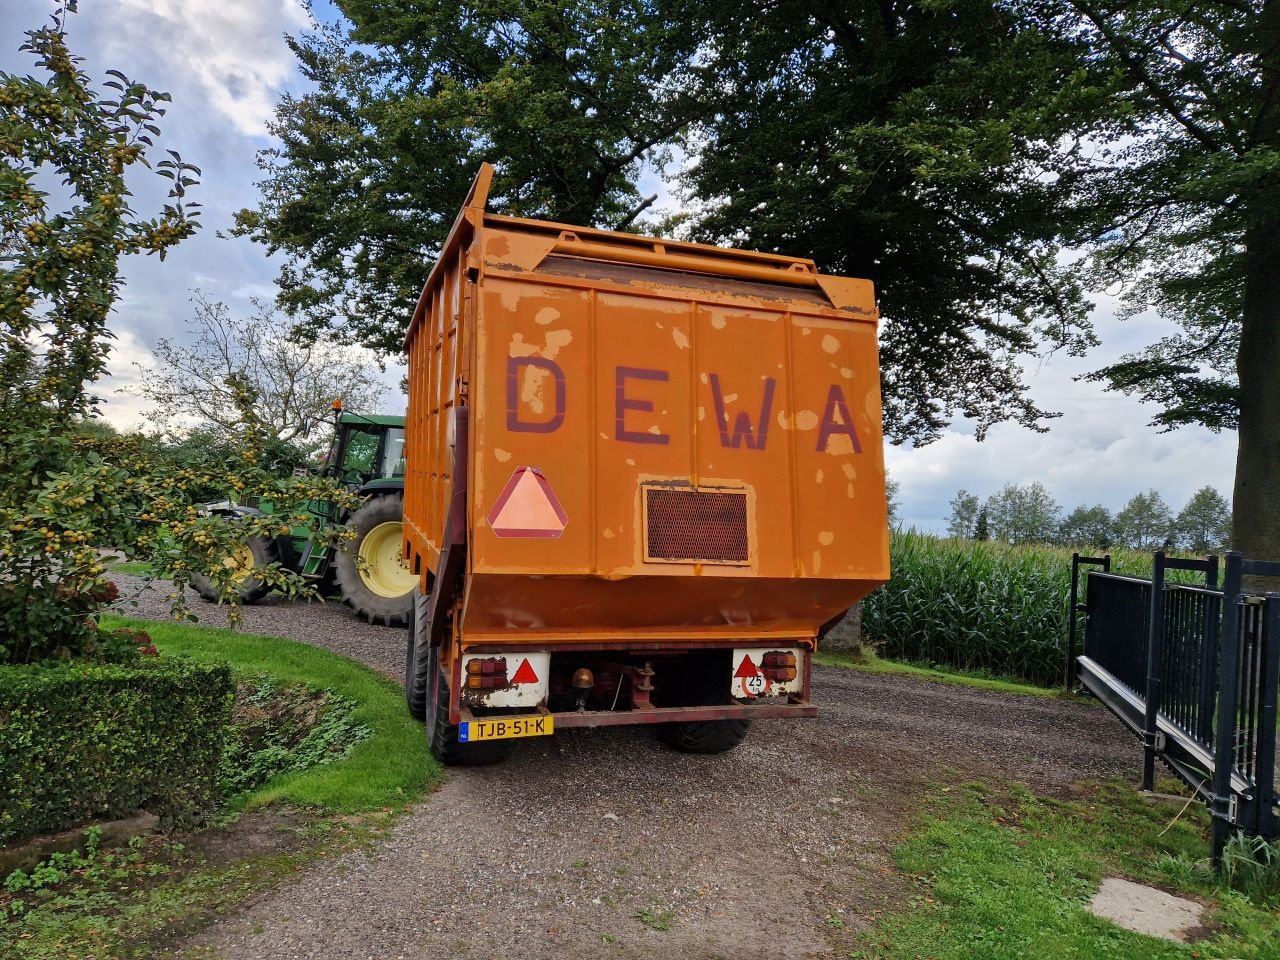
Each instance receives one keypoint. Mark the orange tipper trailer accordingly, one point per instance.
(642, 476)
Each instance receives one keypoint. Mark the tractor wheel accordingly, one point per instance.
(372, 580)
(256, 552)
(417, 666)
(442, 736)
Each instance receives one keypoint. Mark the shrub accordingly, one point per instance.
(979, 605)
(1252, 866)
(68, 486)
(81, 742)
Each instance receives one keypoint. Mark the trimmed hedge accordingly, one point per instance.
(81, 742)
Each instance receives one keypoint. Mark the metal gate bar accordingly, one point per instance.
(1193, 672)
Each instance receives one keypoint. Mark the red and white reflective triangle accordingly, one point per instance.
(528, 507)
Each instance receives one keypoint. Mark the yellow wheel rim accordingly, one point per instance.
(380, 567)
(240, 563)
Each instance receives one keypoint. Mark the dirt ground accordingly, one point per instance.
(603, 843)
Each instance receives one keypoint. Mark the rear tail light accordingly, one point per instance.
(779, 666)
(486, 674)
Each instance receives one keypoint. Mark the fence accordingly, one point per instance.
(1193, 671)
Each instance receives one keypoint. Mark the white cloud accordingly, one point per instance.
(121, 409)
(1102, 450)
(231, 51)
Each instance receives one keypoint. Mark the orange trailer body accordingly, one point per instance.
(669, 448)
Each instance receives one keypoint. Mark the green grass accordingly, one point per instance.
(979, 680)
(389, 768)
(130, 567)
(1004, 874)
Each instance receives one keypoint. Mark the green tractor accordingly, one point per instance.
(367, 456)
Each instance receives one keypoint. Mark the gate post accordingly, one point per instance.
(1269, 676)
(1208, 660)
(1224, 752)
(1073, 615)
(1075, 608)
(1155, 644)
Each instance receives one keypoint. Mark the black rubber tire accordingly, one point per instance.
(417, 663)
(442, 736)
(699, 688)
(704, 736)
(392, 611)
(251, 589)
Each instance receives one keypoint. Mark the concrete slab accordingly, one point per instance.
(1146, 910)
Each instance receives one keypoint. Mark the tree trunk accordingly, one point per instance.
(1255, 515)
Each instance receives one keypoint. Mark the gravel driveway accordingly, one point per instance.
(602, 843)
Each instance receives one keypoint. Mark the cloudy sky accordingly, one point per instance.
(225, 63)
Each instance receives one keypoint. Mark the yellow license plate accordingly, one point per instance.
(470, 731)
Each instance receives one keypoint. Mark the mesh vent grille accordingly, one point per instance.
(687, 524)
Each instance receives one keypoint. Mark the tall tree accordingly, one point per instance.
(1204, 524)
(1088, 527)
(1189, 217)
(570, 99)
(69, 154)
(1023, 514)
(964, 514)
(1145, 522)
(916, 145)
(292, 383)
(982, 527)
(943, 149)
(891, 490)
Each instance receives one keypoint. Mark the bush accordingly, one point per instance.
(67, 485)
(980, 605)
(81, 742)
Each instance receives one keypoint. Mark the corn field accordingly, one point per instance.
(979, 606)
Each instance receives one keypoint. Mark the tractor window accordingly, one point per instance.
(357, 464)
(393, 454)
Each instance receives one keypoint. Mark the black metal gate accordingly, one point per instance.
(1193, 671)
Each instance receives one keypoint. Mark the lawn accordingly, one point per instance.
(389, 768)
(131, 567)
(1000, 873)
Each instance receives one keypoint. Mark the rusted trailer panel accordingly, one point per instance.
(650, 465)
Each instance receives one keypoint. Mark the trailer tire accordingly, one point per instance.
(704, 736)
(264, 552)
(371, 592)
(442, 736)
(417, 665)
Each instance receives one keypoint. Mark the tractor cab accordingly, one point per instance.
(367, 451)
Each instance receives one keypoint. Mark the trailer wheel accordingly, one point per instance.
(376, 586)
(417, 666)
(442, 736)
(704, 736)
(256, 552)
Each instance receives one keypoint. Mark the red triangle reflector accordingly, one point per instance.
(524, 673)
(746, 669)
